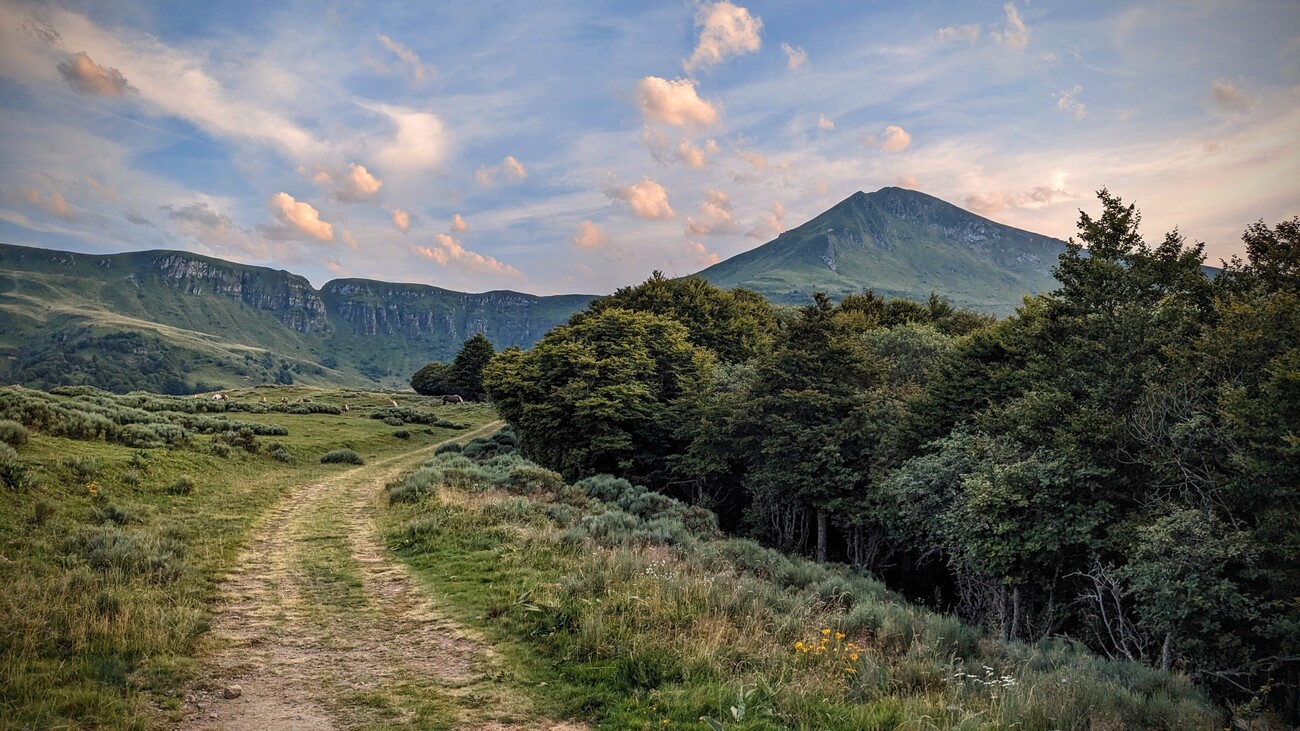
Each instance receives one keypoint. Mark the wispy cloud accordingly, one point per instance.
(410, 59)
(87, 77)
(795, 57)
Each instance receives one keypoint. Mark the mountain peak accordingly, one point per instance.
(899, 243)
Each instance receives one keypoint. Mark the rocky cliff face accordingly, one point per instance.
(289, 297)
(419, 312)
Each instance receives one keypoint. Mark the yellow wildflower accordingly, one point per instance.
(839, 635)
(826, 632)
(853, 656)
(798, 645)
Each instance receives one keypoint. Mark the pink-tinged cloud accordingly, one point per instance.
(908, 181)
(358, 185)
(700, 254)
(756, 159)
(401, 220)
(696, 156)
(1228, 98)
(968, 33)
(87, 77)
(299, 217)
(1068, 101)
(411, 59)
(824, 123)
(458, 224)
(54, 204)
(350, 240)
(685, 152)
(895, 139)
(795, 57)
(647, 198)
(448, 252)
(1039, 196)
(715, 216)
(1016, 34)
(510, 167)
(589, 236)
(770, 225)
(726, 30)
(674, 102)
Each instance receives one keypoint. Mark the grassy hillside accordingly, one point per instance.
(628, 609)
(177, 322)
(899, 243)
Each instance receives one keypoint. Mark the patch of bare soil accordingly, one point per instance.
(376, 652)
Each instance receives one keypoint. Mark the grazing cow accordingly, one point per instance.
(345, 407)
(220, 397)
(392, 402)
(304, 400)
(263, 399)
(453, 399)
(284, 401)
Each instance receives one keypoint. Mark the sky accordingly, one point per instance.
(552, 146)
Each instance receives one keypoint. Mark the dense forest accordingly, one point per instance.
(1116, 463)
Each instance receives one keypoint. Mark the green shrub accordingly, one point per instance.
(112, 514)
(402, 433)
(131, 478)
(108, 547)
(341, 456)
(393, 421)
(182, 486)
(241, 438)
(82, 469)
(12, 433)
(14, 475)
(280, 454)
(448, 448)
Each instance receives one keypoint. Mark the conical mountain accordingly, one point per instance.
(898, 243)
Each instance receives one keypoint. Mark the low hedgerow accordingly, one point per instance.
(399, 415)
(341, 456)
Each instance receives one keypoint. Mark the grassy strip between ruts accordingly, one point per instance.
(110, 556)
(626, 608)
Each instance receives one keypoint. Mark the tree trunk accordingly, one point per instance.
(821, 536)
(1015, 612)
(1167, 652)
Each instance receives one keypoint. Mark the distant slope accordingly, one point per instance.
(899, 243)
(174, 321)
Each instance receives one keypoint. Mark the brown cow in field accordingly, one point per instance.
(345, 407)
(392, 402)
(453, 399)
(220, 397)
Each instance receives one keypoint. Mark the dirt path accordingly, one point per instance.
(321, 629)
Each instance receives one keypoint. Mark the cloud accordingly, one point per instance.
(685, 151)
(674, 102)
(824, 123)
(756, 159)
(795, 57)
(402, 220)
(715, 216)
(486, 176)
(700, 254)
(770, 225)
(895, 139)
(411, 59)
(726, 30)
(589, 236)
(298, 218)
(212, 228)
(648, 199)
(448, 252)
(350, 240)
(1228, 98)
(1016, 34)
(87, 77)
(419, 140)
(458, 224)
(908, 181)
(968, 33)
(355, 184)
(1068, 101)
(1037, 197)
(54, 204)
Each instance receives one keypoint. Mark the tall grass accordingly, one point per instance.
(634, 612)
